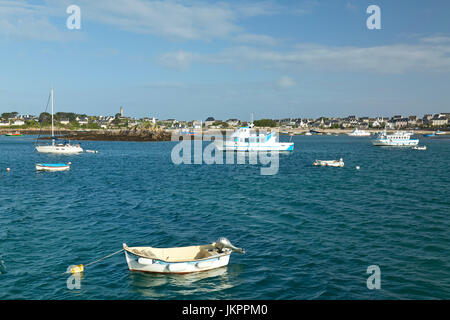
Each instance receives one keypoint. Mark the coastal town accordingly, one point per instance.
(72, 121)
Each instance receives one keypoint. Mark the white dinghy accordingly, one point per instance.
(52, 167)
(180, 259)
(329, 163)
(420, 148)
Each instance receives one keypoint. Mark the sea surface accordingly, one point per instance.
(309, 232)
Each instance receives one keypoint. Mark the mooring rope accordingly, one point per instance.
(109, 255)
(80, 268)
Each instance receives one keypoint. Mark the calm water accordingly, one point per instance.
(309, 233)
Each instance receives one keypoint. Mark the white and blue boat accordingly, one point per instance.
(180, 259)
(396, 139)
(429, 134)
(52, 166)
(247, 139)
(58, 148)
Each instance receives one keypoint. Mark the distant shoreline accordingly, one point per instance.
(163, 135)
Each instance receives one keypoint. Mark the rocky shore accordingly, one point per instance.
(101, 135)
(120, 135)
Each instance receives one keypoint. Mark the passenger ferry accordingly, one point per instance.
(399, 138)
(247, 139)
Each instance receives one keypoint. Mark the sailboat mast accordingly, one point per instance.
(53, 134)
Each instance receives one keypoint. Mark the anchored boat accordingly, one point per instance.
(420, 148)
(359, 133)
(180, 259)
(246, 139)
(52, 166)
(14, 134)
(58, 148)
(329, 163)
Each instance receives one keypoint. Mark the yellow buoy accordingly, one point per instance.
(77, 269)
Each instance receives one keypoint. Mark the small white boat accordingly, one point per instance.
(420, 148)
(91, 151)
(247, 139)
(329, 163)
(359, 133)
(439, 132)
(181, 259)
(58, 148)
(52, 166)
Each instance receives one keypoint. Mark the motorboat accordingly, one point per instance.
(52, 166)
(429, 134)
(329, 163)
(247, 139)
(359, 133)
(14, 134)
(180, 259)
(420, 148)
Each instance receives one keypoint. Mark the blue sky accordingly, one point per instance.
(193, 59)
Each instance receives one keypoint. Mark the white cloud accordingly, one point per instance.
(285, 82)
(386, 59)
(258, 39)
(26, 21)
(174, 19)
(437, 39)
(180, 60)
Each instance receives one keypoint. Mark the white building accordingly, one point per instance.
(18, 122)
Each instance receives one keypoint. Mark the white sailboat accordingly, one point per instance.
(58, 148)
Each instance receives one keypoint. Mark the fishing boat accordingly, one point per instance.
(14, 134)
(329, 163)
(396, 139)
(429, 134)
(359, 133)
(180, 259)
(420, 148)
(52, 167)
(58, 148)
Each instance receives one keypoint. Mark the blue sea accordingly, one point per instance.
(309, 232)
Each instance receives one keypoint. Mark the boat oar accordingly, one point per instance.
(80, 267)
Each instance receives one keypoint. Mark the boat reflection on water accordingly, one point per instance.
(155, 285)
(169, 286)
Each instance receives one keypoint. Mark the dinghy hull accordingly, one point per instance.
(140, 263)
(52, 167)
